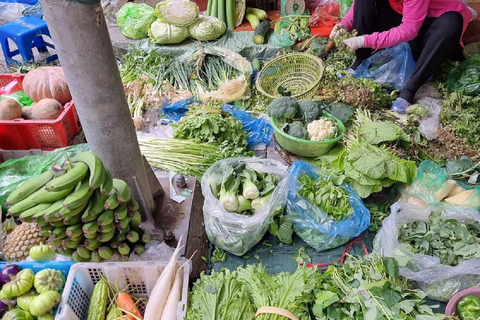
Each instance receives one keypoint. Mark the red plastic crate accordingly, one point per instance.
(21, 134)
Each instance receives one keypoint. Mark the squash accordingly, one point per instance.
(10, 109)
(47, 82)
(45, 109)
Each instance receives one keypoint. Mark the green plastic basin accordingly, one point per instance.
(307, 148)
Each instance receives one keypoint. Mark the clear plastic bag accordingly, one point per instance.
(431, 178)
(134, 19)
(465, 78)
(327, 13)
(258, 130)
(431, 123)
(314, 226)
(19, 96)
(234, 232)
(440, 282)
(391, 67)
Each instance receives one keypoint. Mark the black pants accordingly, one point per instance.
(437, 40)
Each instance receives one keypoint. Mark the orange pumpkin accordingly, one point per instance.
(47, 82)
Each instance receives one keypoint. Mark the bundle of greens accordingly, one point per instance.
(213, 127)
(447, 239)
(180, 156)
(358, 92)
(241, 189)
(460, 113)
(366, 167)
(369, 288)
(200, 74)
(290, 29)
(292, 292)
(219, 296)
(237, 295)
(327, 196)
(378, 212)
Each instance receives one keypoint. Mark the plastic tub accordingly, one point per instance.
(141, 275)
(451, 309)
(307, 148)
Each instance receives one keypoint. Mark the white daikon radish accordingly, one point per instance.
(456, 190)
(443, 192)
(174, 297)
(460, 198)
(159, 295)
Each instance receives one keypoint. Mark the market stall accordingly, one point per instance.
(236, 169)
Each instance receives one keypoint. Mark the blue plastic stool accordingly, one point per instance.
(27, 33)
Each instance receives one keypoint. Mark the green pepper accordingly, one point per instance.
(468, 308)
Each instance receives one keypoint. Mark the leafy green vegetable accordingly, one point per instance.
(308, 111)
(283, 108)
(162, 32)
(281, 226)
(292, 292)
(369, 288)
(207, 28)
(177, 12)
(328, 197)
(377, 214)
(134, 19)
(296, 129)
(219, 296)
(376, 132)
(212, 127)
(461, 113)
(449, 240)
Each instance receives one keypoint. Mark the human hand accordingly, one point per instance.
(354, 43)
(338, 30)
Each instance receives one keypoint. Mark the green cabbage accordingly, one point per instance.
(177, 12)
(207, 28)
(134, 19)
(162, 32)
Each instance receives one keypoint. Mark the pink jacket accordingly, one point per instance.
(414, 13)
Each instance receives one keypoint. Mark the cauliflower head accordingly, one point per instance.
(321, 129)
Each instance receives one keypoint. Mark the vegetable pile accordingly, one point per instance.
(237, 295)
(369, 288)
(29, 296)
(447, 239)
(243, 190)
(302, 120)
(48, 89)
(368, 168)
(327, 196)
(81, 210)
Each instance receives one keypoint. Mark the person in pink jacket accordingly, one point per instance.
(433, 28)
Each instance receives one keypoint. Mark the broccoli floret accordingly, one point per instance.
(283, 108)
(308, 111)
(297, 130)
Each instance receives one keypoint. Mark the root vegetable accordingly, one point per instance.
(10, 109)
(460, 198)
(170, 310)
(45, 109)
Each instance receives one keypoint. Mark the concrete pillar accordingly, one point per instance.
(81, 39)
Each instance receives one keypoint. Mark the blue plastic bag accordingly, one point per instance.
(313, 225)
(392, 67)
(258, 130)
(175, 111)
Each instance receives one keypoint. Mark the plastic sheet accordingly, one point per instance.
(134, 19)
(234, 232)
(258, 130)
(465, 78)
(10, 11)
(313, 225)
(19, 96)
(391, 67)
(175, 111)
(431, 123)
(440, 282)
(14, 172)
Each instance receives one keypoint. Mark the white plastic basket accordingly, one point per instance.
(141, 275)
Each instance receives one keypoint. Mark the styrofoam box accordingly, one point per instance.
(141, 277)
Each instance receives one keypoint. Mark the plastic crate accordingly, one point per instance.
(141, 275)
(63, 266)
(21, 134)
